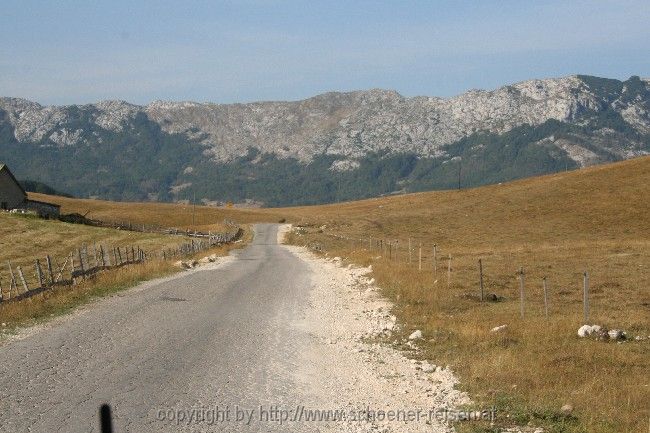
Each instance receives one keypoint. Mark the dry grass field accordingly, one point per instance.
(558, 226)
(181, 216)
(25, 238)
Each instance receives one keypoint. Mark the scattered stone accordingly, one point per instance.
(183, 265)
(616, 335)
(415, 335)
(493, 297)
(601, 333)
(428, 368)
(587, 330)
(204, 260)
(499, 328)
(4, 324)
(566, 409)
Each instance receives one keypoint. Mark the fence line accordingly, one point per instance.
(388, 250)
(85, 262)
(152, 228)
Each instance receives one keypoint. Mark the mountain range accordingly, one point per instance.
(331, 147)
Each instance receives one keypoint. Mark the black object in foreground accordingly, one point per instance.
(105, 419)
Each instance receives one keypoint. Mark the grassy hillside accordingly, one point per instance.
(182, 216)
(556, 226)
(22, 239)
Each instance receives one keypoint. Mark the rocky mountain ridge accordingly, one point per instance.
(569, 121)
(345, 124)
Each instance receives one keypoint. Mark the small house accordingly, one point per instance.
(13, 196)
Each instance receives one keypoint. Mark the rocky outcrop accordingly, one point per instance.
(352, 124)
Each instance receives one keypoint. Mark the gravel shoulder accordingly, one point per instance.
(348, 367)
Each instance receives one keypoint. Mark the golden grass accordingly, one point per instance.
(24, 239)
(182, 216)
(557, 226)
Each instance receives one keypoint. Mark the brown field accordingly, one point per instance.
(557, 226)
(172, 215)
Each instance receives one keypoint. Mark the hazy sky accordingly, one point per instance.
(62, 51)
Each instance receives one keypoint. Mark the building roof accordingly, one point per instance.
(4, 167)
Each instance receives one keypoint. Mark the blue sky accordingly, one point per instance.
(65, 52)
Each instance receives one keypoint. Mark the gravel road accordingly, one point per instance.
(250, 343)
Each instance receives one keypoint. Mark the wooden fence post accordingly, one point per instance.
(61, 270)
(435, 259)
(39, 273)
(521, 292)
(48, 259)
(585, 296)
(545, 298)
(81, 263)
(22, 279)
(95, 254)
(480, 278)
(13, 286)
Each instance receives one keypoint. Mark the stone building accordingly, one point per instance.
(13, 196)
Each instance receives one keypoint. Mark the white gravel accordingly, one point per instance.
(347, 365)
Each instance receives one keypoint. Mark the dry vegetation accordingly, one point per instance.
(181, 216)
(25, 238)
(557, 226)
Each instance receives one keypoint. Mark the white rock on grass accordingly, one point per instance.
(587, 330)
(616, 334)
(499, 328)
(416, 335)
